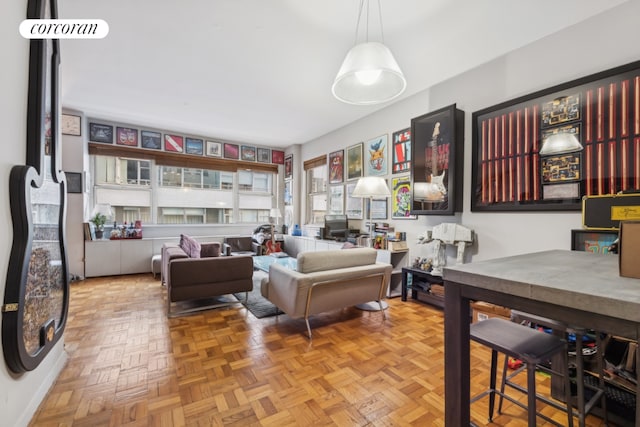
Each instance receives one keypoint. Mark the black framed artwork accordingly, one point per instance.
(151, 139)
(436, 162)
(99, 132)
(36, 296)
(549, 149)
(74, 182)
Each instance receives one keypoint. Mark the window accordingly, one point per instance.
(317, 190)
(140, 190)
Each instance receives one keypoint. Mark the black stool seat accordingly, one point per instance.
(518, 341)
(530, 346)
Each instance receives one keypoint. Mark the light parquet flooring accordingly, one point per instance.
(131, 366)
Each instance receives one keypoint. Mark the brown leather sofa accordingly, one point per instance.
(211, 275)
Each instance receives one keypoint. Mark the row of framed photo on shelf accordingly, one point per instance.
(341, 201)
(174, 143)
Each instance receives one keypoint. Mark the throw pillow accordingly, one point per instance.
(190, 246)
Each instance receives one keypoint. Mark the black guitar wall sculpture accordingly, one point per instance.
(37, 289)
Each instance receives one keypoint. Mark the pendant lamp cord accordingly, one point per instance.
(360, 10)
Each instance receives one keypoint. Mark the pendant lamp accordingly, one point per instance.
(369, 73)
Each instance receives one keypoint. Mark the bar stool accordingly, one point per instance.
(584, 407)
(531, 347)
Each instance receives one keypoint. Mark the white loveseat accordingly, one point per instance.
(327, 280)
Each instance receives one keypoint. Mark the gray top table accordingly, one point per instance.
(578, 288)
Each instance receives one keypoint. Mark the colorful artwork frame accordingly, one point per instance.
(231, 151)
(354, 161)
(436, 162)
(126, 136)
(511, 144)
(288, 166)
(401, 147)
(595, 241)
(336, 167)
(401, 198)
(377, 156)
(194, 146)
(277, 157)
(173, 143)
(247, 153)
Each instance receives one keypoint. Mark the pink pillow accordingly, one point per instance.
(190, 246)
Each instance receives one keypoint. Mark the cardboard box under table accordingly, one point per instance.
(484, 310)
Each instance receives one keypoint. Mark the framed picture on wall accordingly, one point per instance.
(354, 161)
(595, 241)
(288, 166)
(173, 143)
(264, 155)
(336, 167)
(377, 156)
(214, 149)
(378, 208)
(277, 157)
(231, 151)
(288, 192)
(401, 198)
(194, 146)
(74, 182)
(100, 133)
(248, 153)
(127, 136)
(336, 199)
(151, 140)
(547, 150)
(436, 162)
(353, 205)
(401, 149)
(70, 125)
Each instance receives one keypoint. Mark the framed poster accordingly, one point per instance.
(353, 205)
(173, 143)
(354, 161)
(401, 198)
(377, 156)
(70, 125)
(547, 150)
(401, 148)
(194, 146)
(74, 182)
(100, 133)
(264, 155)
(231, 151)
(336, 199)
(288, 193)
(214, 149)
(277, 157)
(127, 136)
(336, 167)
(151, 140)
(436, 162)
(248, 153)
(378, 208)
(288, 166)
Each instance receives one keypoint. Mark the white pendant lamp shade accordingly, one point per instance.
(369, 75)
(560, 143)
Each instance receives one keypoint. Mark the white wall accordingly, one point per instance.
(20, 395)
(606, 41)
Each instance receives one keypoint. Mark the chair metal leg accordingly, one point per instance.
(580, 379)
(306, 319)
(567, 386)
(531, 394)
(492, 383)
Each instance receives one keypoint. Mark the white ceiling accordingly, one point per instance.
(261, 71)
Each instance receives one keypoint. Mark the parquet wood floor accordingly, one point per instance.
(131, 366)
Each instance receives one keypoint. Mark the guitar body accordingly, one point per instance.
(440, 191)
(273, 246)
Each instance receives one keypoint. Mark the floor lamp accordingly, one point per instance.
(371, 187)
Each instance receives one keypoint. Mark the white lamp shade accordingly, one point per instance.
(103, 209)
(371, 186)
(369, 75)
(275, 213)
(560, 143)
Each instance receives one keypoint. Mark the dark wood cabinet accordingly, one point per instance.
(420, 283)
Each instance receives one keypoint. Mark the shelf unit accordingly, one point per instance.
(420, 285)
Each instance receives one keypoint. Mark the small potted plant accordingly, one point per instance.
(99, 220)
